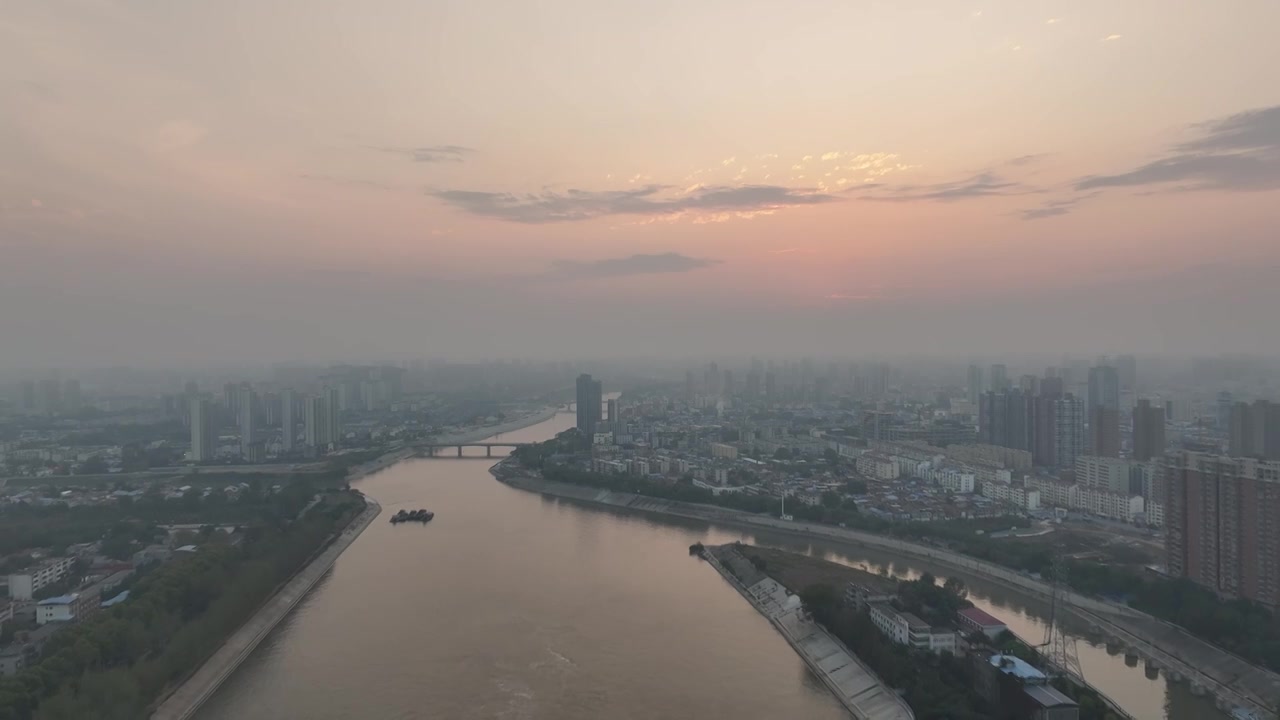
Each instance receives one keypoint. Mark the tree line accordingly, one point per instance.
(114, 664)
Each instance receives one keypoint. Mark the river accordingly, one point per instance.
(515, 606)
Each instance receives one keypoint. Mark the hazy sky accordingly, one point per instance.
(208, 182)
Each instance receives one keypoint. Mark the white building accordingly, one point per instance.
(957, 480)
(64, 608)
(875, 465)
(1116, 506)
(907, 629)
(1104, 473)
(23, 585)
(1017, 495)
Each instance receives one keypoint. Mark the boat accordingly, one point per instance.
(420, 515)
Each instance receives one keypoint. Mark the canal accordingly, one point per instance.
(512, 605)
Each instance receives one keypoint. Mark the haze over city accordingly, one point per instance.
(253, 182)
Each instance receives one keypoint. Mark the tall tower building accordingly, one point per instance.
(288, 421)
(316, 419)
(247, 420)
(690, 387)
(999, 378)
(615, 422)
(1254, 430)
(1104, 431)
(204, 434)
(1104, 388)
(333, 415)
(976, 387)
(1007, 419)
(589, 398)
(1068, 430)
(1148, 431)
(1220, 528)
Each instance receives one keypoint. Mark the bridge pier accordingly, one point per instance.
(1131, 659)
(459, 451)
(488, 451)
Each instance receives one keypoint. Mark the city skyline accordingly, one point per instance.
(911, 178)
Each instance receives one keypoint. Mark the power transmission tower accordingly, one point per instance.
(1058, 648)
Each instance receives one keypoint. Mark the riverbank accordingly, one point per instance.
(1207, 668)
(183, 702)
(858, 689)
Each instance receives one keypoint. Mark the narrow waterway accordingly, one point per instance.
(516, 606)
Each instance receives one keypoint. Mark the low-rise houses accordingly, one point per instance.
(66, 608)
(24, 585)
(1014, 494)
(905, 628)
(976, 620)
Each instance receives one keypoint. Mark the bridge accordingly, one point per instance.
(431, 449)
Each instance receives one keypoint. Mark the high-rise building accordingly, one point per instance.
(231, 398)
(204, 433)
(1104, 431)
(1148, 430)
(1068, 430)
(615, 422)
(690, 387)
(333, 415)
(1254, 430)
(999, 378)
(1007, 419)
(1220, 523)
(288, 421)
(247, 420)
(590, 396)
(726, 383)
(1104, 388)
(771, 386)
(976, 387)
(316, 420)
(752, 389)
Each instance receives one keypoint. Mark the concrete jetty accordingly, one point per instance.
(854, 684)
(197, 689)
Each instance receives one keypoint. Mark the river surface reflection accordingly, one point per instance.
(513, 605)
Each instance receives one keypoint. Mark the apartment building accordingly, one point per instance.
(1222, 523)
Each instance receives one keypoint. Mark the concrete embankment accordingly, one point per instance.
(854, 684)
(1233, 681)
(187, 699)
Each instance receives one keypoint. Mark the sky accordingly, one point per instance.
(224, 182)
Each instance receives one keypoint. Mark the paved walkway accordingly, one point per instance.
(187, 699)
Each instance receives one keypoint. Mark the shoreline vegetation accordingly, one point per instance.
(1243, 628)
(117, 663)
(936, 686)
